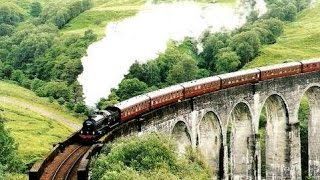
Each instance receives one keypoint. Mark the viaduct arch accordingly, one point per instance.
(224, 126)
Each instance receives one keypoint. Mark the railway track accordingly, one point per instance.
(64, 165)
(69, 159)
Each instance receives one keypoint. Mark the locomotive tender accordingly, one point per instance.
(105, 120)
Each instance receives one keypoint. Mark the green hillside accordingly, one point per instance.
(101, 14)
(104, 12)
(35, 123)
(300, 40)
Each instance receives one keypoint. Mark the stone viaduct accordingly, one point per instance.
(232, 115)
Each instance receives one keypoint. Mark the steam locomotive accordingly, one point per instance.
(105, 120)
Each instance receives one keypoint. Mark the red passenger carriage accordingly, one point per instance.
(280, 70)
(201, 86)
(310, 65)
(165, 96)
(239, 78)
(133, 107)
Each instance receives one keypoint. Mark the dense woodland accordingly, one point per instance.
(34, 54)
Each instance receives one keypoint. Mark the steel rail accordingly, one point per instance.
(62, 163)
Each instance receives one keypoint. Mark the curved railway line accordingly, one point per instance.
(64, 165)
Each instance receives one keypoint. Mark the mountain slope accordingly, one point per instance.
(35, 123)
(300, 40)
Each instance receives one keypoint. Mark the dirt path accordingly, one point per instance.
(40, 111)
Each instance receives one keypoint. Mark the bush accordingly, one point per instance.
(57, 90)
(61, 101)
(150, 156)
(6, 29)
(1, 172)
(80, 108)
(10, 14)
(70, 105)
(9, 162)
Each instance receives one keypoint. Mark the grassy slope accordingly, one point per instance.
(30, 121)
(103, 12)
(300, 40)
(106, 11)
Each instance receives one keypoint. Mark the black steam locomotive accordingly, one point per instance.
(99, 123)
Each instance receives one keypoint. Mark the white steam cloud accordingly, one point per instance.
(143, 36)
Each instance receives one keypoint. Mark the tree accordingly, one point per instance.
(246, 52)
(36, 84)
(184, 70)
(80, 108)
(7, 70)
(265, 35)
(290, 12)
(246, 45)
(273, 25)
(57, 90)
(31, 47)
(130, 87)
(211, 46)
(189, 44)
(8, 150)
(168, 59)
(227, 60)
(284, 12)
(71, 71)
(2, 175)
(253, 16)
(152, 73)
(112, 100)
(35, 9)
(6, 29)
(275, 11)
(18, 76)
(77, 92)
(59, 19)
(10, 14)
(89, 36)
(136, 70)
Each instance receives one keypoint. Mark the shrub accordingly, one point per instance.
(150, 156)
(9, 162)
